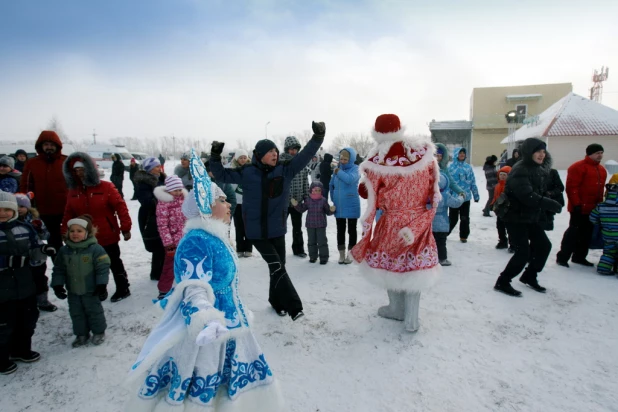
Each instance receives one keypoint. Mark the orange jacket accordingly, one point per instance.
(499, 188)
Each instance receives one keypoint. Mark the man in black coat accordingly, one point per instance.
(526, 188)
(326, 172)
(117, 176)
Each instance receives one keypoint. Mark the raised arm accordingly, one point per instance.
(222, 174)
(302, 159)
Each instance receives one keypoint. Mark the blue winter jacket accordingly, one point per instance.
(343, 188)
(463, 175)
(440, 221)
(266, 190)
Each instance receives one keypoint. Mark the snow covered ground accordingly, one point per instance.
(477, 350)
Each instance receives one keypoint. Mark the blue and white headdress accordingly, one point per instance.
(202, 185)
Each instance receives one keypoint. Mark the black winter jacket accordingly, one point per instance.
(326, 170)
(145, 184)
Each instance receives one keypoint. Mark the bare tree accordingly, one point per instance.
(54, 124)
(362, 144)
(339, 142)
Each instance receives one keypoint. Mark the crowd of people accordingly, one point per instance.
(56, 205)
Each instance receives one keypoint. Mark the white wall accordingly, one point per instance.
(567, 150)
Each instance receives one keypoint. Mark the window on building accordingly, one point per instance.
(522, 112)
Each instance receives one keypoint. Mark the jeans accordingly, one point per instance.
(453, 216)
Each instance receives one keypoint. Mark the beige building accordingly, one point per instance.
(488, 106)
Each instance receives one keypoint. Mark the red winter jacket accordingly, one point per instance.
(585, 184)
(43, 176)
(105, 205)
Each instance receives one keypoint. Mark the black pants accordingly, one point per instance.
(453, 216)
(531, 246)
(117, 267)
(242, 243)
(341, 224)
(317, 243)
(53, 223)
(135, 191)
(502, 233)
(158, 260)
(298, 244)
(282, 295)
(17, 323)
(440, 238)
(490, 193)
(576, 238)
(40, 279)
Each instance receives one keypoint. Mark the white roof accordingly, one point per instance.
(573, 115)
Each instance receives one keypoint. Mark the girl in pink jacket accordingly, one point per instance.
(171, 222)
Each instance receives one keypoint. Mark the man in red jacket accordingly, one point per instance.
(101, 200)
(584, 188)
(42, 175)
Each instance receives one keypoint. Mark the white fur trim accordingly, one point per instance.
(399, 170)
(264, 398)
(407, 235)
(203, 318)
(163, 196)
(409, 281)
(389, 137)
(437, 196)
(370, 212)
(79, 222)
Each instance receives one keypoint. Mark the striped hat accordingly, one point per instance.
(150, 163)
(172, 183)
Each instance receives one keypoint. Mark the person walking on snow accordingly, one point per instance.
(133, 168)
(442, 158)
(344, 194)
(606, 216)
(243, 244)
(299, 190)
(585, 186)
(117, 176)
(464, 177)
(491, 176)
(266, 187)
(317, 209)
(526, 187)
(440, 225)
(399, 254)
(326, 172)
(503, 240)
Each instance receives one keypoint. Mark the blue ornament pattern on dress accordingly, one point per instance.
(187, 309)
(155, 383)
(202, 185)
(206, 388)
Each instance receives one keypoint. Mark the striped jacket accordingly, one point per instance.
(606, 215)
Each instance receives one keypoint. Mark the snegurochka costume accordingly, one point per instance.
(203, 356)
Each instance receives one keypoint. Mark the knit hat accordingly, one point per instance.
(540, 146)
(150, 163)
(185, 156)
(8, 201)
(592, 149)
(133, 161)
(172, 183)
(262, 147)
(84, 221)
(241, 152)
(440, 150)
(21, 152)
(7, 161)
(23, 200)
(78, 164)
(291, 142)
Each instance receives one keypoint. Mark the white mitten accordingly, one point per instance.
(213, 331)
(333, 208)
(294, 202)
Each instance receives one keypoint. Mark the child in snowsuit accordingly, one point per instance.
(606, 215)
(171, 222)
(441, 225)
(317, 207)
(503, 241)
(83, 266)
(9, 178)
(19, 247)
(30, 215)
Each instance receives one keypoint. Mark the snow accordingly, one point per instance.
(476, 350)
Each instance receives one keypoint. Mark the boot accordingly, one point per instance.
(348, 259)
(506, 288)
(98, 339)
(395, 308)
(80, 341)
(412, 301)
(502, 245)
(529, 278)
(341, 260)
(122, 287)
(44, 304)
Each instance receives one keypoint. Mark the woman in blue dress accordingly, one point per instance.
(202, 355)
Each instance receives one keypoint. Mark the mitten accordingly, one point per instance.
(550, 205)
(126, 235)
(476, 199)
(37, 224)
(333, 208)
(101, 291)
(293, 202)
(60, 292)
(170, 250)
(319, 129)
(211, 332)
(216, 149)
(48, 250)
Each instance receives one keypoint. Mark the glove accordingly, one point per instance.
(577, 209)
(37, 224)
(101, 291)
(319, 130)
(333, 208)
(126, 235)
(170, 250)
(48, 250)
(476, 199)
(16, 262)
(211, 332)
(60, 292)
(216, 149)
(294, 202)
(550, 205)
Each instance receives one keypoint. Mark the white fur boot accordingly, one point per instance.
(396, 305)
(341, 256)
(412, 301)
(348, 259)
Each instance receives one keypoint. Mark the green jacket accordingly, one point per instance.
(81, 266)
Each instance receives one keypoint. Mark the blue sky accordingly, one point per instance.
(198, 68)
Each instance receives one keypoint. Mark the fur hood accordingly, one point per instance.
(91, 177)
(164, 196)
(445, 157)
(142, 176)
(527, 149)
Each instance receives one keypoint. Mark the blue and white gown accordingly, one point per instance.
(228, 374)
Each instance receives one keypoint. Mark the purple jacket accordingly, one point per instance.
(318, 209)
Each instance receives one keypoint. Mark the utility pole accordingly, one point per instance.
(94, 136)
(174, 145)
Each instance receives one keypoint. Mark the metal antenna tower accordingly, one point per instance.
(596, 91)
